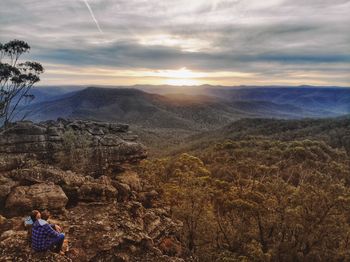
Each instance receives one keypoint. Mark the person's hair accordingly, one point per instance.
(34, 214)
(45, 215)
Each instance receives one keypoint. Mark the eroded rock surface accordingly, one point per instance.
(104, 209)
(98, 227)
(105, 145)
(100, 232)
(38, 196)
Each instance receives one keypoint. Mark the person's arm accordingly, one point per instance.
(58, 228)
(50, 231)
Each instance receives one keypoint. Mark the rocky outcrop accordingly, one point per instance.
(99, 227)
(46, 173)
(111, 242)
(104, 208)
(77, 187)
(38, 196)
(106, 146)
(99, 190)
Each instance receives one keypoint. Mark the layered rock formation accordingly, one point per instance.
(106, 211)
(45, 196)
(106, 146)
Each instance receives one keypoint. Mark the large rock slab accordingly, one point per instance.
(38, 196)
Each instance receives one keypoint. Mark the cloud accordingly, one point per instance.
(269, 38)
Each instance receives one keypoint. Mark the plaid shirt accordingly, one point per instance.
(43, 236)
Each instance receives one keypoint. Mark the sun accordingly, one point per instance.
(181, 77)
(182, 82)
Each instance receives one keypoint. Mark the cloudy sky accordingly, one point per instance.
(226, 42)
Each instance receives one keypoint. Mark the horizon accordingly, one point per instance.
(181, 43)
(189, 86)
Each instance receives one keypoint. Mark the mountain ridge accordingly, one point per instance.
(207, 109)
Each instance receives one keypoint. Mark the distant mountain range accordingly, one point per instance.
(189, 108)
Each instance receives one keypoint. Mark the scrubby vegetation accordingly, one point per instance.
(265, 194)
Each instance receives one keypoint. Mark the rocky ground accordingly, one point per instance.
(105, 210)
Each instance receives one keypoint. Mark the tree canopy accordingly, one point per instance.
(16, 79)
(259, 199)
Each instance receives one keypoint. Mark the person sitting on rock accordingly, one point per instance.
(44, 236)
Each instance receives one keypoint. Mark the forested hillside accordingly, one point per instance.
(261, 190)
(333, 131)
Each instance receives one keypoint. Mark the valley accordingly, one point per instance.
(164, 116)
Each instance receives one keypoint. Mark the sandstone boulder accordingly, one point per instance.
(124, 191)
(39, 196)
(99, 190)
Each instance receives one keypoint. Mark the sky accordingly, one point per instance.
(184, 42)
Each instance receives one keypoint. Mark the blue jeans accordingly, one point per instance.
(58, 243)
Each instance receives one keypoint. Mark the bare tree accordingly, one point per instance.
(16, 79)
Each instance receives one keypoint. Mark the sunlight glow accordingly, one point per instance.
(183, 73)
(182, 82)
(181, 77)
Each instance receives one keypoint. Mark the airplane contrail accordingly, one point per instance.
(93, 16)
